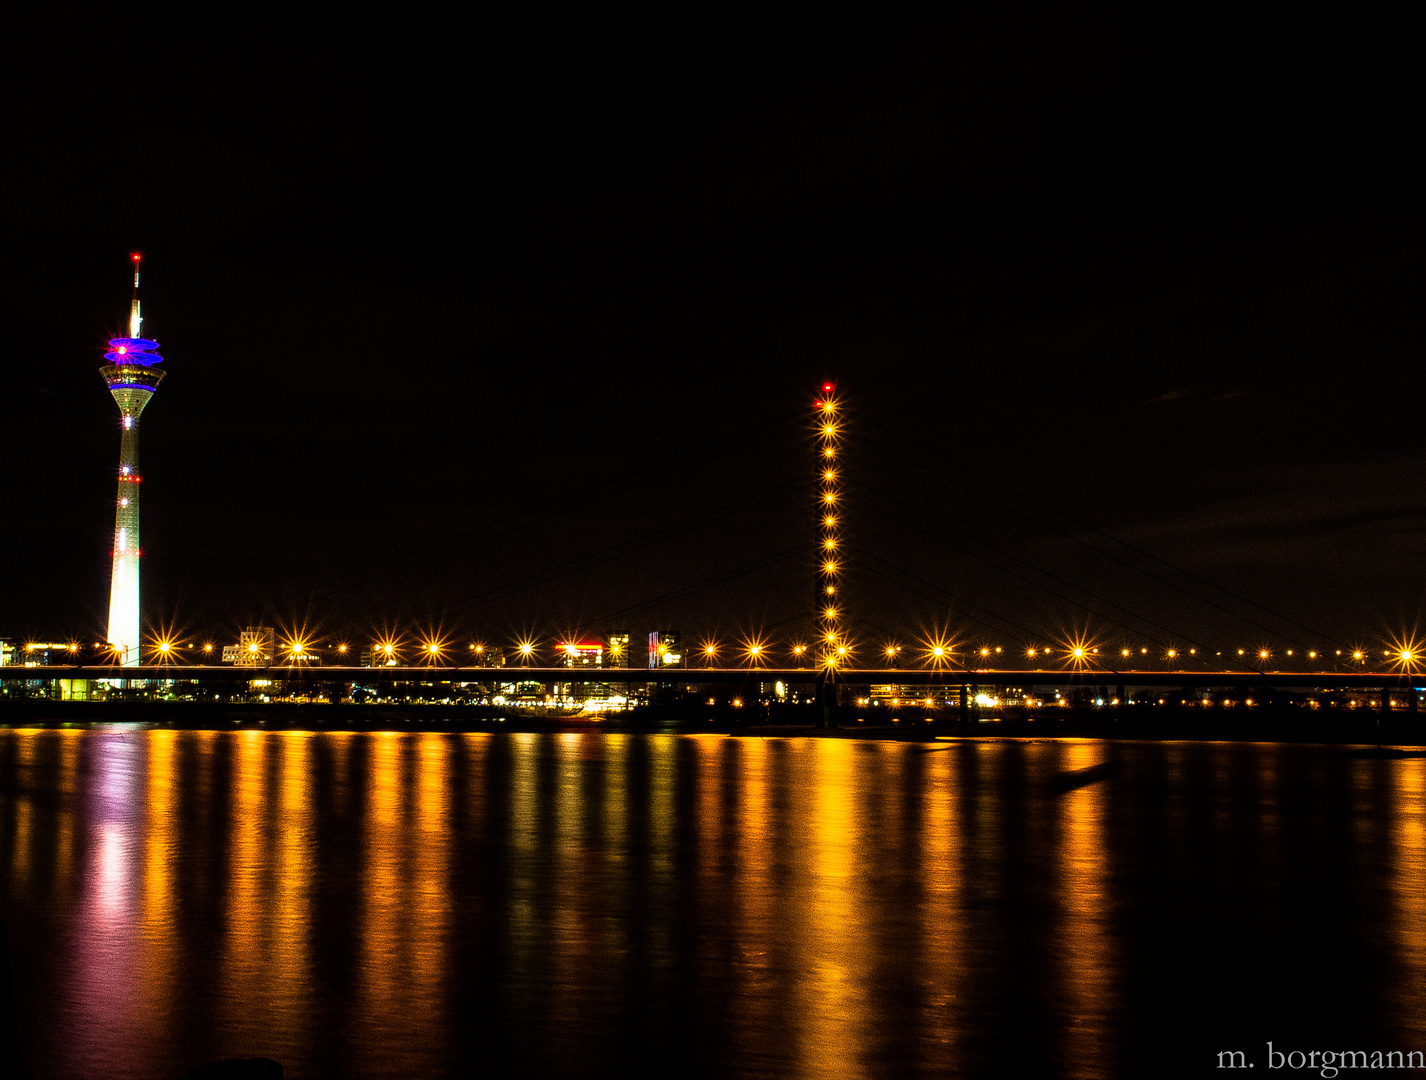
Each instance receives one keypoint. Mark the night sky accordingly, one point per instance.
(515, 327)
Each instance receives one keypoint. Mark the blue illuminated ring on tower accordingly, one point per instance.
(132, 350)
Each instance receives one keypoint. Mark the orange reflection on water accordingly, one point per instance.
(832, 995)
(941, 925)
(245, 949)
(157, 916)
(339, 747)
(525, 857)
(431, 901)
(475, 752)
(710, 756)
(67, 818)
(1408, 832)
(1086, 943)
(574, 960)
(265, 964)
(663, 828)
(20, 845)
(752, 867)
(614, 872)
(381, 976)
(290, 973)
(406, 907)
(26, 741)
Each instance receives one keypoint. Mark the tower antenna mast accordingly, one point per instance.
(135, 319)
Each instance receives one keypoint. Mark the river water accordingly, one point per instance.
(549, 905)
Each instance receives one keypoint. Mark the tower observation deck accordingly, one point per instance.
(132, 379)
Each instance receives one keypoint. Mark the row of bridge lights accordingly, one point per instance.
(752, 649)
(756, 651)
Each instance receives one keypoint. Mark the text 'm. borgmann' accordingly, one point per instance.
(1326, 1062)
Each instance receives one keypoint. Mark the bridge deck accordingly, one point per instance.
(795, 676)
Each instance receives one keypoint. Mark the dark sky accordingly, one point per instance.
(514, 327)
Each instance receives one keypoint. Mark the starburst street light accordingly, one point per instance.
(837, 655)
(937, 650)
(1080, 652)
(386, 651)
(433, 647)
(1407, 653)
(754, 650)
(708, 648)
(163, 645)
(526, 648)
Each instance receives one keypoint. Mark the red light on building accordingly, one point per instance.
(581, 653)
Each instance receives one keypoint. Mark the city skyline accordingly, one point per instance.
(1060, 320)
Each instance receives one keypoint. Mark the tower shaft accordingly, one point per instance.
(124, 621)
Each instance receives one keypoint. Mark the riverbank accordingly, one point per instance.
(1285, 723)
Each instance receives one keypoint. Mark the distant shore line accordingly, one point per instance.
(1266, 722)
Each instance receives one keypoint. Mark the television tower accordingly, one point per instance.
(132, 380)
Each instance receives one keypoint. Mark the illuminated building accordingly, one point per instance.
(132, 379)
(39, 653)
(580, 653)
(616, 649)
(831, 638)
(382, 654)
(481, 656)
(255, 648)
(665, 649)
(894, 696)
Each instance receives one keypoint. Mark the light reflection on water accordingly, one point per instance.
(437, 904)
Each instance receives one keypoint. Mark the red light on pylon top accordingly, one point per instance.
(136, 256)
(827, 388)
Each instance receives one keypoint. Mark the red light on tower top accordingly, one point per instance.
(827, 387)
(135, 256)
